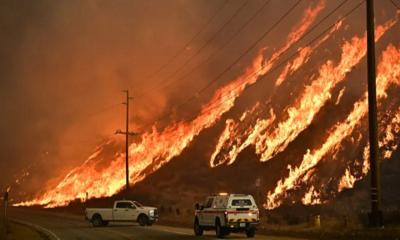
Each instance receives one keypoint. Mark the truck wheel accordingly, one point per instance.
(198, 230)
(97, 221)
(250, 232)
(219, 230)
(143, 220)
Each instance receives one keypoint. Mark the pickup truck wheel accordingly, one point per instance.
(198, 230)
(250, 232)
(97, 221)
(219, 230)
(143, 220)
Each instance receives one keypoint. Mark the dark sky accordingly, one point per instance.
(63, 65)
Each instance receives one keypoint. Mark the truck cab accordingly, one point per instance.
(227, 213)
(125, 210)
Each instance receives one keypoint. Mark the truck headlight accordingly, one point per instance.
(151, 212)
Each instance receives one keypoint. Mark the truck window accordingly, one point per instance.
(125, 205)
(241, 202)
(209, 203)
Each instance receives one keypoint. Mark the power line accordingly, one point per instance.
(205, 44)
(97, 112)
(302, 37)
(205, 26)
(230, 39)
(248, 50)
(252, 46)
(395, 4)
(102, 110)
(273, 69)
(284, 52)
(296, 52)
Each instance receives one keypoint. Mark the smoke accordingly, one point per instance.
(64, 64)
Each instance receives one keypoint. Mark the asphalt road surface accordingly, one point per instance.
(69, 227)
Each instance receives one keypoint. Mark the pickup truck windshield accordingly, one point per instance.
(241, 202)
(138, 204)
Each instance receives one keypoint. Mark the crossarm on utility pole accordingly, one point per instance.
(127, 134)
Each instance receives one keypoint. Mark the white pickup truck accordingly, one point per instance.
(123, 211)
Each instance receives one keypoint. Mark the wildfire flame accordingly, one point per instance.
(158, 147)
(347, 181)
(233, 143)
(269, 134)
(388, 145)
(388, 73)
(312, 197)
(301, 114)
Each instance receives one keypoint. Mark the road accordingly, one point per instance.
(70, 227)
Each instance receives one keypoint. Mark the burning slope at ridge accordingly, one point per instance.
(157, 148)
(388, 74)
(387, 145)
(270, 140)
(231, 140)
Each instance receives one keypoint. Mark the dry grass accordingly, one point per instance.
(330, 227)
(14, 231)
(3, 228)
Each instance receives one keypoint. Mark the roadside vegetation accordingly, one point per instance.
(14, 231)
(345, 218)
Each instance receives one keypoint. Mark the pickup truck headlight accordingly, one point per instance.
(151, 212)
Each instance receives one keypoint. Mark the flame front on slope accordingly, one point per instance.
(388, 73)
(157, 148)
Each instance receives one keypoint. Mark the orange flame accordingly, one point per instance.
(389, 73)
(231, 141)
(314, 97)
(347, 180)
(309, 17)
(303, 56)
(312, 197)
(157, 148)
(339, 97)
(388, 145)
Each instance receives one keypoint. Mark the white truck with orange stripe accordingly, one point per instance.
(226, 213)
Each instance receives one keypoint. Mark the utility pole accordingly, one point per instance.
(375, 216)
(5, 202)
(127, 134)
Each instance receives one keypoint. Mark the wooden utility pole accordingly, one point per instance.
(375, 216)
(5, 202)
(127, 134)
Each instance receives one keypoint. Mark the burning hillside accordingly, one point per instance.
(269, 127)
